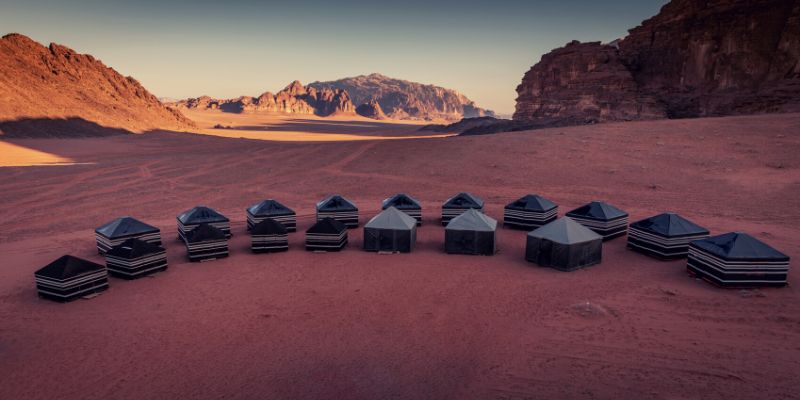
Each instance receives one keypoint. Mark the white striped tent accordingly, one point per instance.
(459, 203)
(665, 236)
(206, 242)
(340, 209)
(135, 258)
(68, 278)
(529, 212)
(327, 234)
(191, 219)
(737, 260)
(122, 229)
(603, 218)
(406, 204)
(269, 236)
(274, 210)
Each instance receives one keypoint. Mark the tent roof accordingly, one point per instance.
(201, 214)
(269, 207)
(566, 231)
(205, 232)
(268, 227)
(327, 226)
(392, 218)
(598, 210)
(739, 246)
(463, 200)
(401, 201)
(125, 226)
(473, 220)
(336, 203)
(669, 224)
(134, 248)
(67, 266)
(532, 202)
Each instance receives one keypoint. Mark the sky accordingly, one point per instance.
(226, 49)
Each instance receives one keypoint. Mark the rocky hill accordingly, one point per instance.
(695, 58)
(54, 91)
(402, 99)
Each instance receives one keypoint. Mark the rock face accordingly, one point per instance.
(293, 99)
(695, 58)
(371, 109)
(401, 99)
(54, 91)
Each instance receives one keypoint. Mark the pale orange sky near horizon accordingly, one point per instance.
(183, 49)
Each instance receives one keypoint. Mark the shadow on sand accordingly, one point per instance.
(334, 126)
(56, 128)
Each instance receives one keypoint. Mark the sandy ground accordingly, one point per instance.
(357, 325)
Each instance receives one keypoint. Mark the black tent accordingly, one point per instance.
(271, 209)
(737, 260)
(206, 242)
(191, 219)
(269, 236)
(392, 230)
(529, 212)
(665, 236)
(459, 203)
(472, 232)
(327, 234)
(135, 258)
(340, 209)
(406, 204)
(564, 245)
(122, 229)
(68, 278)
(603, 218)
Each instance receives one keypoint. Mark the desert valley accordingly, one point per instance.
(696, 111)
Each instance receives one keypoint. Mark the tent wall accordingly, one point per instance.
(562, 256)
(469, 242)
(389, 240)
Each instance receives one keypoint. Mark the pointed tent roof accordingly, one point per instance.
(336, 203)
(201, 214)
(66, 267)
(463, 200)
(134, 248)
(392, 218)
(532, 202)
(566, 231)
(598, 210)
(269, 207)
(268, 227)
(670, 224)
(738, 246)
(473, 220)
(401, 201)
(328, 226)
(205, 232)
(125, 226)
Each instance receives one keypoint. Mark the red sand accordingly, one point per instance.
(421, 325)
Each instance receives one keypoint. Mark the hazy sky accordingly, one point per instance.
(230, 48)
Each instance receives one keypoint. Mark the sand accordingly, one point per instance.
(360, 325)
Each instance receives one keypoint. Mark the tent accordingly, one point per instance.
(665, 236)
(327, 234)
(472, 232)
(603, 218)
(206, 242)
(340, 209)
(392, 230)
(191, 219)
(459, 203)
(529, 212)
(564, 245)
(737, 260)
(122, 229)
(68, 278)
(271, 209)
(135, 258)
(406, 204)
(269, 235)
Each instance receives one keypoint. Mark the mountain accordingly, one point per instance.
(401, 99)
(695, 58)
(293, 99)
(54, 91)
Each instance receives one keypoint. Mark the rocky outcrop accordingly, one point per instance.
(695, 58)
(74, 91)
(401, 99)
(371, 109)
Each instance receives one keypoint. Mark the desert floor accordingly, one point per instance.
(359, 325)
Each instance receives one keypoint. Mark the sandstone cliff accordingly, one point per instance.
(371, 109)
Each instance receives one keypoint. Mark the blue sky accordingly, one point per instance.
(226, 49)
